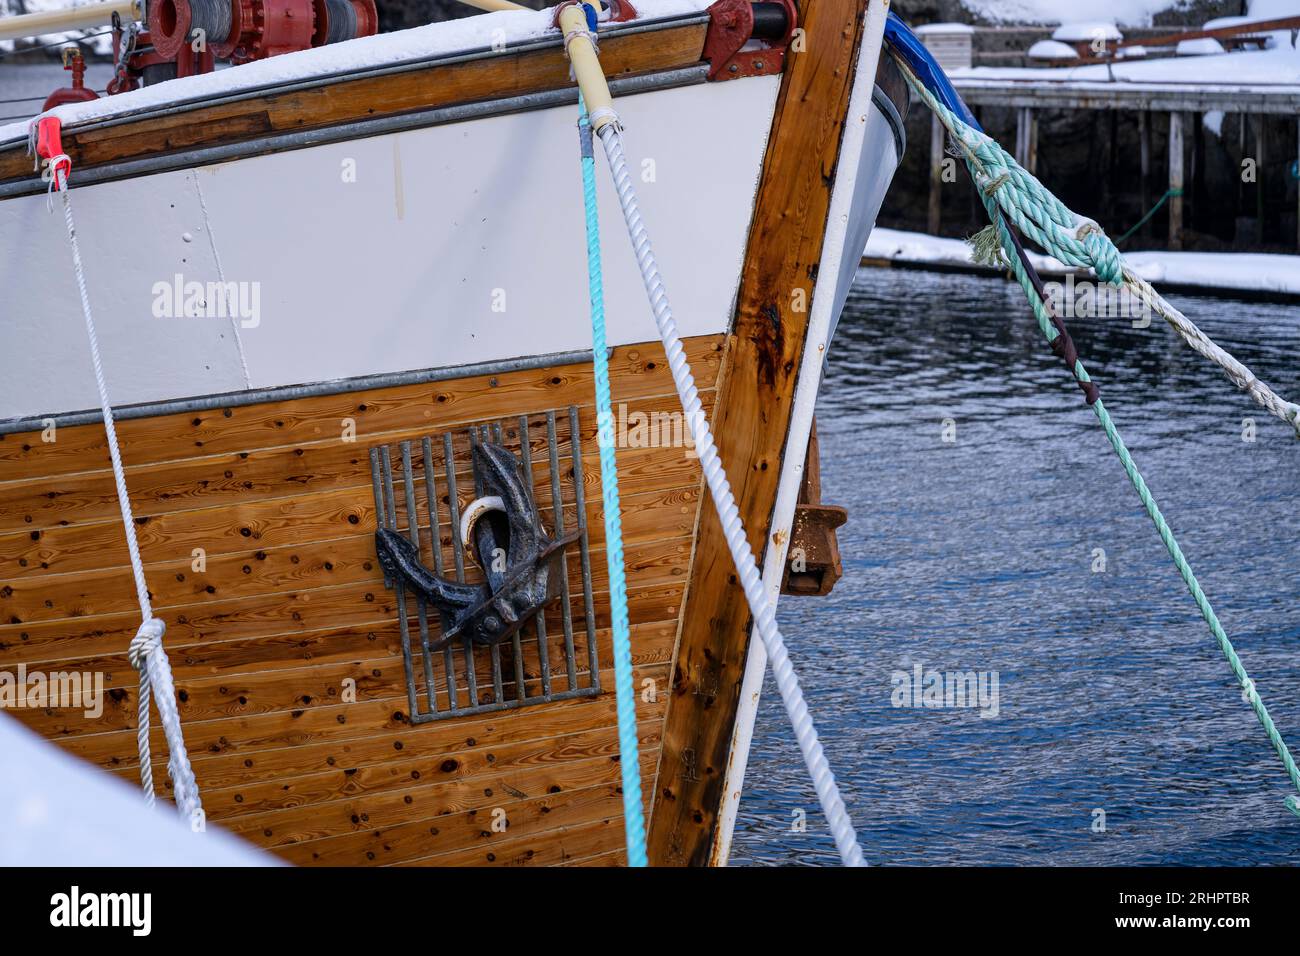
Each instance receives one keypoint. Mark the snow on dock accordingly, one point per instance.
(1259, 273)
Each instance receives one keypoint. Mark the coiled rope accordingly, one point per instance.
(629, 751)
(1075, 240)
(1079, 241)
(146, 652)
(846, 841)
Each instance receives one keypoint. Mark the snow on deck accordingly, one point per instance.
(1248, 272)
(445, 38)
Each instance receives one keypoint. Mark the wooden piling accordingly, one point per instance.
(1144, 159)
(1176, 180)
(1032, 165)
(1259, 178)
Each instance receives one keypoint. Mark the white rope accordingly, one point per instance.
(724, 502)
(146, 651)
(1201, 343)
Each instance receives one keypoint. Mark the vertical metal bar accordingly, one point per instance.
(516, 640)
(458, 553)
(475, 437)
(543, 652)
(557, 500)
(435, 535)
(421, 611)
(580, 494)
(387, 467)
(380, 520)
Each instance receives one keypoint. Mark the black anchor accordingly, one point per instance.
(517, 557)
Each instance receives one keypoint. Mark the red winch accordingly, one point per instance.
(186, 37)
(244, 30)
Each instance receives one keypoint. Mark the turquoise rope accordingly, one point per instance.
(1148, 501)
(1150, 212)
(1011, 194)
(633, 819)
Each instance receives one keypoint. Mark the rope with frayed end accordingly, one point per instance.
(1075, 240)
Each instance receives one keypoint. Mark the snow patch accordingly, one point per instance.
(1052, 50)
(1124, 12)
(1084, 31)
(1211, 270)
(1202, 46)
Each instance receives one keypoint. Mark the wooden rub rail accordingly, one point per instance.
(342, 100)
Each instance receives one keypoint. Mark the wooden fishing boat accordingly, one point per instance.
(325, 282)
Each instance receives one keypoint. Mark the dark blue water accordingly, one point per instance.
(977, 556)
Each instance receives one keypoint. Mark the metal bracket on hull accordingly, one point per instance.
(813, 564)
(733, 24)
(457, 662)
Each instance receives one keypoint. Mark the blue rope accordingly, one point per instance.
(633, 820)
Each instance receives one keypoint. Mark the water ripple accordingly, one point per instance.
(977, 555)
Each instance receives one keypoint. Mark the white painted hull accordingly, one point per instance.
(455, 245)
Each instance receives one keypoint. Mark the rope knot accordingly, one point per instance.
(1102, 253)
(147, 640)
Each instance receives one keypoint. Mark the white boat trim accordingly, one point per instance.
(845, 196)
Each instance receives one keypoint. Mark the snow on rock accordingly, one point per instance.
(387, 49)
(1211, 270)
(1052, 50)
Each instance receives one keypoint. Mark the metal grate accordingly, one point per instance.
(420, 488)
